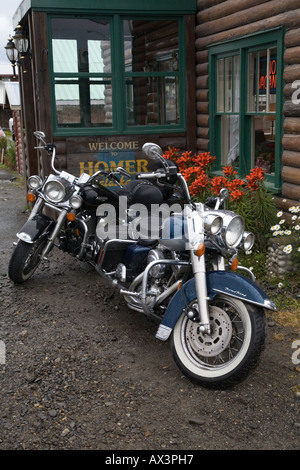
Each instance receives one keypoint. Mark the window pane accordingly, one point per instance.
(236, 83)
(99, 55)
(264, 142)
(85, 102)
(65, 57)
(81, 45)
(230, 140)
(228, 84)
(152, 101)
(262, 80)
(151, 46)
(262, 100)
(67, 103)
(101, 102)
(253, 82)
(220, 85)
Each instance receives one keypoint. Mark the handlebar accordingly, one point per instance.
(151, 175)
(153, 151)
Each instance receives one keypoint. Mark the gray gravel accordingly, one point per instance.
(83, 372)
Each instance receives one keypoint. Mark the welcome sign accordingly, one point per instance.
(109, 155)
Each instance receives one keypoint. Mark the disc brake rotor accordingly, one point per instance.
(215, 343)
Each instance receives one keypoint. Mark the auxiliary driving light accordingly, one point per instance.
(34, 182)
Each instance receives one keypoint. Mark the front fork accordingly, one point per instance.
(51, 238)
(197, 254)
(198, 265)
(60, 220)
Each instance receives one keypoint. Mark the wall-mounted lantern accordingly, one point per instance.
(17, 48)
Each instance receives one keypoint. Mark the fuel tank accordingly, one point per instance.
(94, 195)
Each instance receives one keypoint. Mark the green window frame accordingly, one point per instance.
(118, 81)
(239, 104)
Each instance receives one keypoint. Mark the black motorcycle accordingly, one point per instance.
(170, 258)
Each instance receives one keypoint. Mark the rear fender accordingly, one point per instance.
(38, 225)
(218, 282)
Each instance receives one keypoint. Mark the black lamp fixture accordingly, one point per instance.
(21, 41)
(17, 48)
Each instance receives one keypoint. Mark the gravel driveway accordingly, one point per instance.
(81, 371)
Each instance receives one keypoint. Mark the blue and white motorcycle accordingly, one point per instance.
(172, 260)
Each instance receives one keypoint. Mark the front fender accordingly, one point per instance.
(218, 282)
(35, 227)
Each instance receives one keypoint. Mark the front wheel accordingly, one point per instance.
(25, 260)
(226, 356)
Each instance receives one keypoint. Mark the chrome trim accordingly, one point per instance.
(163, 332)
(24, 237)
(145, 279)
(266, 304)
(60, 220)
(248, 271)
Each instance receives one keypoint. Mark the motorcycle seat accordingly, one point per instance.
(141, 192)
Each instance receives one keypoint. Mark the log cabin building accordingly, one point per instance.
(102, 77)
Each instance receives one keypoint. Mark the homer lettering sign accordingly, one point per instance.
(108, 155)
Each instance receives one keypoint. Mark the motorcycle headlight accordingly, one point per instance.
(212, 223)
(34, 182)
(248, 241)
(55, 190)
(75, 201)
(233, 229)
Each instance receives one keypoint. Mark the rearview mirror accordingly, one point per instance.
(152, 151)
(40, 135)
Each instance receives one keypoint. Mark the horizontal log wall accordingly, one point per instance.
(291, 124)
(222, 20)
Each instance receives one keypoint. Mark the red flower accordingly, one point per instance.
(217, 183)
(234, 184)
(236, 195)
(171, 154)
(256, 175)
(229, 171)
(200, 183)
(203, 159)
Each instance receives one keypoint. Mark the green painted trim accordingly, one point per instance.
(161, 7)
(248, 41)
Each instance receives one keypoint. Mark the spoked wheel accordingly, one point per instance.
(229, 353)
(25, 260)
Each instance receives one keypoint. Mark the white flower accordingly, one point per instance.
(297, 227)
(294, 217)
(287, 232)
(275, 227)
(279, 214)
(276, 233)
(288, 249)
(282, 222)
